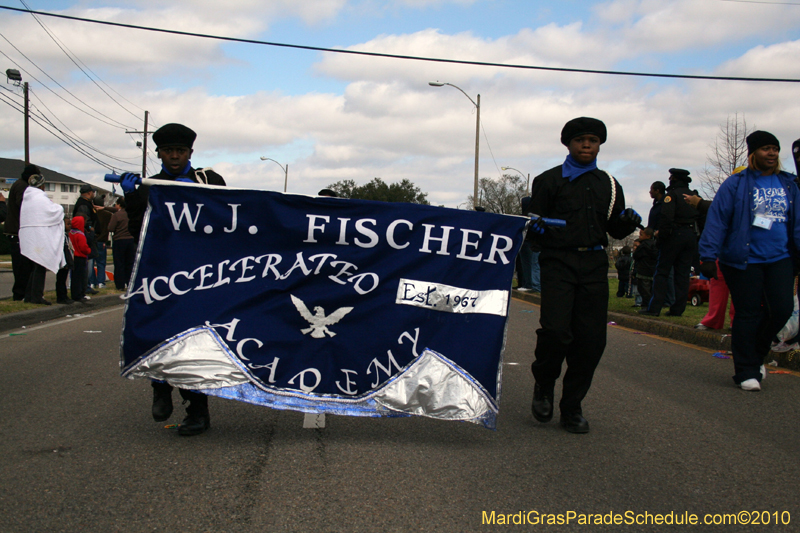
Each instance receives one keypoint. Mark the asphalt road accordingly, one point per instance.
(670, 434)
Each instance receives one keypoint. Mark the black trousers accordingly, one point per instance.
(762, 296)
(61, 284)
(645, 290)
(22, 267)
(678, 252)
(34, 291)
(573, 322)
(124, 255)
(78, 284)
(198, 402)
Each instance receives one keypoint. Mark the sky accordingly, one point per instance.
(331, 116)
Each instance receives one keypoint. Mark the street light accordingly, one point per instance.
(477, 105)
(285, 171)
(527, 182)
(14, 75)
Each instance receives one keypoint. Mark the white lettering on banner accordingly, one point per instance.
(437, 237)
(387, 369)
(346, 387)
(367, 235)
(448, 299)
(233, 218)
(176, 222)
(302, 374)
(214, 276)
(230, 327)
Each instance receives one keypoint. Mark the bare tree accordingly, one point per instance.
(502, 195)
(728, 152)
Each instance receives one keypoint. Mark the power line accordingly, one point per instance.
(43, 122)
(411, 58)
(74, 136)
(57, 83)
(75, 60)
(35, 119)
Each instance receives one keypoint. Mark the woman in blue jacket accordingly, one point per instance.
(753, 227)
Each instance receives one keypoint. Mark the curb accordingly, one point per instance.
(707, 339)
(34, 317)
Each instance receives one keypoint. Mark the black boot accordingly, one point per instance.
(574, 422)
(542, 406)
(162, 401)
(197, 418)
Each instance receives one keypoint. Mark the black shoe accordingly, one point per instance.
(574, 423)
(91, 291)
(542, 406)
(162, 404)
(194, 424)
(670, 313)
(42, 302)
(646, 312)
(65, 301)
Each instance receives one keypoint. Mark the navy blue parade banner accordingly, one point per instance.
(322, 305)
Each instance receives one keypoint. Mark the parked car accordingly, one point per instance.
(698, 291)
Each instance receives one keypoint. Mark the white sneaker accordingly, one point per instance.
(763, 372)
(523, 289)
(101, 286)
(751, 384)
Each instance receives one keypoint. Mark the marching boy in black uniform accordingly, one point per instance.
(174, 147)
(574, 269)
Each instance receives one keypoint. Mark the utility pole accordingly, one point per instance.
(27, 129)
(144, 144)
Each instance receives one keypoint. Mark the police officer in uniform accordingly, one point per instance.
(677, 245)
(574, 269)
(174, 148)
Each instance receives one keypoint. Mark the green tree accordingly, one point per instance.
(379, 190)
(502, 195)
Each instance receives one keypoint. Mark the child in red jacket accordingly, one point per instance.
(82, 251)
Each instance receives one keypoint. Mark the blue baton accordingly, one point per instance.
(115, 178)
(557, 222)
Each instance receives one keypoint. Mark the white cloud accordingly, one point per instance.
(387, 122)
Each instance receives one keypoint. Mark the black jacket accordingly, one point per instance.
(13, 205)
(646, 256)
(583, 203)
(676, 212)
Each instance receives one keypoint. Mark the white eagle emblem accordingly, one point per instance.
(319, 322)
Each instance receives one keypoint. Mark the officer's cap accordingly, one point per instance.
(582, 126)
(86, 188)
(174, 135)
(679, 174)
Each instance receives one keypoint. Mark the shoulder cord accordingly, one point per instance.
(201, 174)
(613, 194)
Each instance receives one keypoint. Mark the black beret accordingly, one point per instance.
(328, 192)
(679, 174)
(581, 126)
(86, 188)
(174, 135)
(759, 138)
(29, 171)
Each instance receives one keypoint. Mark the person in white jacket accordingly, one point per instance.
(41, 237)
